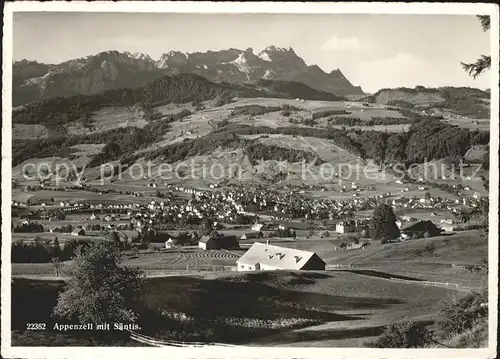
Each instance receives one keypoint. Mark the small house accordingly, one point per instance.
(78, 232)
(345, 227)
(449, 227)
(256, 227)
(264, 256)
(218, 242)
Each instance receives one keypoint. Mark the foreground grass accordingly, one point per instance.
(476, 337)
(28, 338)
(466, 247)
(266, 308)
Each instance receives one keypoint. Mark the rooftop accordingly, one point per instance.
(269, 255)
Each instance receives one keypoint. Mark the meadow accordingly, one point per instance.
(287, 308)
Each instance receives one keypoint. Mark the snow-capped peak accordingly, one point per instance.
(273, 48)
(141, 56)
(241, 60)
(242, 63)
(264, 56)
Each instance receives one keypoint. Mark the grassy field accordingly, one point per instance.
(461, 248)
(50, 236)
(416, 98)
(427, 259)
(173, 260)
(332, 309)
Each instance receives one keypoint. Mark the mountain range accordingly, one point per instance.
(34, 81)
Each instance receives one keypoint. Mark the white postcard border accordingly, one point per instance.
(261, 7)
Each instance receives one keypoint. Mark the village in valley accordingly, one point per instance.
(226, 220)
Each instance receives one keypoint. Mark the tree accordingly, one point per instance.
(113, 237)
(100, 290)
(112, 150)
(464, 216)
(383, 223)
(208, 226)
(212, 124)
(484, 62)
(223, 99)
(404, 334)
(462, 313)
(57, 248)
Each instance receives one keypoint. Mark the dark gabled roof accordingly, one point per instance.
(422, 226)
(205, 239)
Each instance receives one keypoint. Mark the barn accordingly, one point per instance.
(422, 227)
(218, 242)
(169, 243)
(78, 232)
(264, 256)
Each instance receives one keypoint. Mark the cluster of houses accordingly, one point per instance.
(235, 202)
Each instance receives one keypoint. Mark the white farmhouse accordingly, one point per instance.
(264, 256)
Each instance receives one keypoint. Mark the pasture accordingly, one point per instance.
(62, 237)
(416, 98)
(182, 259)
(110, 118)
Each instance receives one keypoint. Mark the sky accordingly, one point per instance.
(372, 51)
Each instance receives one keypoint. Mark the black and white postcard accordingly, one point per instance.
(201, 180)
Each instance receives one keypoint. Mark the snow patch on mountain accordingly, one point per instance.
(265, 56)
(141, 56)
(242, 64)
(268, 75)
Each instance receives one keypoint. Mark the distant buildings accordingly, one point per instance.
(449, 227)
(78, 232)
(264, 256)
(252, 235)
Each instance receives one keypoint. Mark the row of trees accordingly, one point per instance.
(40, 251)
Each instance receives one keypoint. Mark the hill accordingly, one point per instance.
(463, 101)
(181, 88)
(466, 248)
(107, 70)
